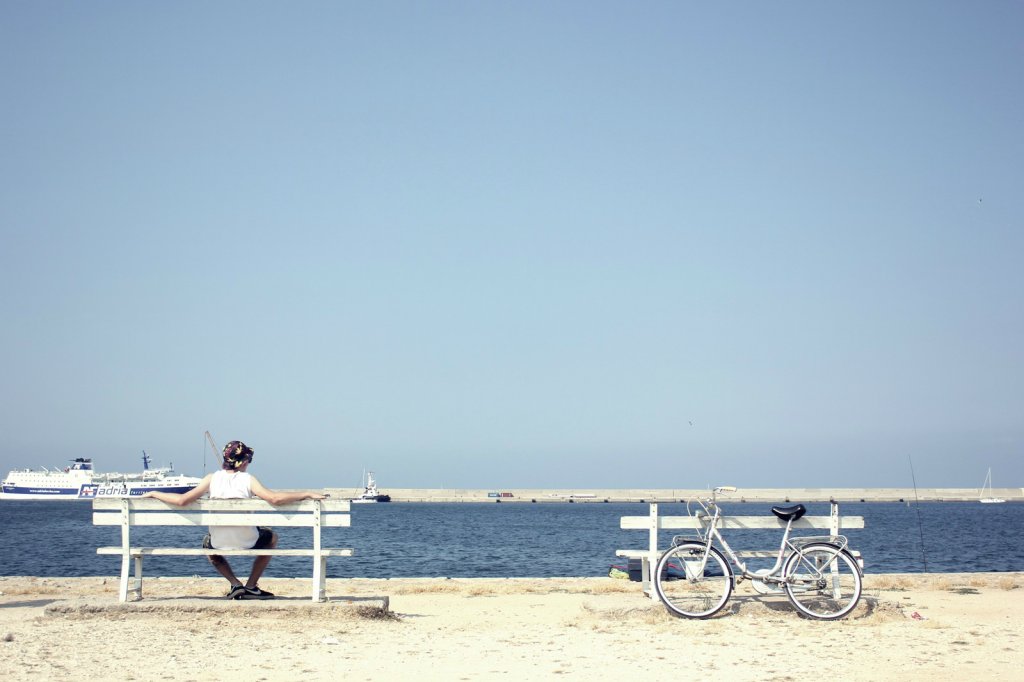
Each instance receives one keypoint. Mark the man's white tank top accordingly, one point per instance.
(232, 485)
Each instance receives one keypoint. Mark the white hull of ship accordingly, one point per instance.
(91, 491)
(370, 493)
(81, 482)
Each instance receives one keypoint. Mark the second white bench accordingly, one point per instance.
(653, 523)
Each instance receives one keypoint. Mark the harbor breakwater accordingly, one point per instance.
(570, 495)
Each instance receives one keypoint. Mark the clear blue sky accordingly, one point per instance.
(482, 244)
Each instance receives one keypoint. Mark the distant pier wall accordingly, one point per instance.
(571, 495)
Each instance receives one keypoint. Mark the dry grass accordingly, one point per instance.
(37, 587)
(964, 590)
(943, 581)
(1008, 582)
(883, 612)
(206, 587)
(934, 625)
(424, 588)
(890, 583)
(375, 613)
(484, 587)
(613, 620)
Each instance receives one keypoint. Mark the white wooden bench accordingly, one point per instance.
(135, 512)
(653, 523)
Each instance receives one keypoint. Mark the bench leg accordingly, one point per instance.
(122, 592)
(319, 578)
(645, 577)
(138, 577)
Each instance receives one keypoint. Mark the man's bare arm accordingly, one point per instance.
(280, 497)
(182, 499)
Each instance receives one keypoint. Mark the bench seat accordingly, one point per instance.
(199, 551)
(743, 554)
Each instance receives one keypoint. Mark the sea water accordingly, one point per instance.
(471, 540)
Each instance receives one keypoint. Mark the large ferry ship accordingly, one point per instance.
(81, 482)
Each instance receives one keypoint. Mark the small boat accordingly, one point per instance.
(370, 493)
(987, 487)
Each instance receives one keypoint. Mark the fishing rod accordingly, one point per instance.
(213, 445)
(917, 506)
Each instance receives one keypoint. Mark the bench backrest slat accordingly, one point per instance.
(255, 504)
(129, 512)
(736, 522)
(190, 518)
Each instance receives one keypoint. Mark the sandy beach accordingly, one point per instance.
(908, 627)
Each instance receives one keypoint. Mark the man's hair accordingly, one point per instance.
(236, 453)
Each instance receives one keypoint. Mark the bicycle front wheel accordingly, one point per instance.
(688, 585)
(822, 581)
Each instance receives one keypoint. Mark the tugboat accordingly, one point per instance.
(370, 493)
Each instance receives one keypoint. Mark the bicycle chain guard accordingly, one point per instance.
(760, 586)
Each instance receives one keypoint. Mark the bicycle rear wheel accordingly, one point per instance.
(686, 588)
(822, 581)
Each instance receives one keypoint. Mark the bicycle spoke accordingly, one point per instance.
(690, 584)
(822, 581)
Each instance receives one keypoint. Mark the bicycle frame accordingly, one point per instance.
(713, 512)
(819, 576)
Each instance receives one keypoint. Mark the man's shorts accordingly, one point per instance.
(262, 542)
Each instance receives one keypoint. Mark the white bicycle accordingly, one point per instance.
(819, 575)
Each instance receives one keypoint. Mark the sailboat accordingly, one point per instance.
(987, 488)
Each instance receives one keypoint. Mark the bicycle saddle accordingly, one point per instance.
(790, 513)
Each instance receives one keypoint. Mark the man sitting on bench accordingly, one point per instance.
(234, 482)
